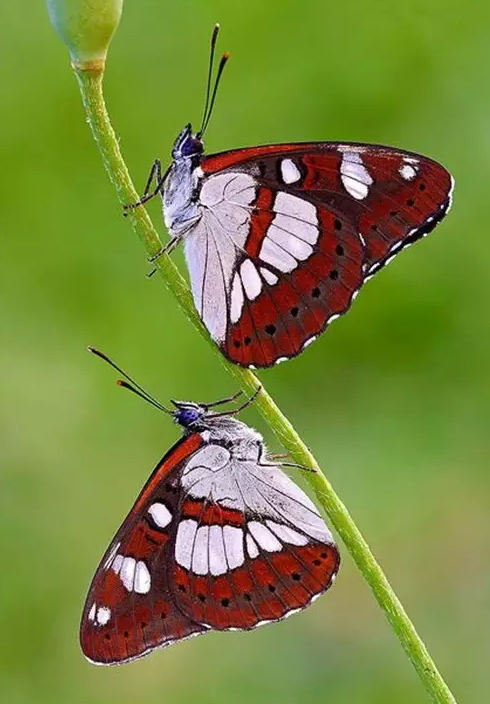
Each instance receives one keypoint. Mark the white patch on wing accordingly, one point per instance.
(213, 243)
(160, 514)
(303, 210)
(210, 459)
(251, 280)
(271, 254)
(91, 613)
(127, 571)
(103, 615)
(142, 579)
(409, 168)
(252, 548)
(117, 564)
(287, 534)
(264, 537)
(237, 188)
(356, 179)
(309, 341)
(269, 493)
(236, 299)
(233, 538)
(269, 276)
(289, 171)
(290, 235)
(217, 557)
(200, 552)
(184, 542)
(294, 245)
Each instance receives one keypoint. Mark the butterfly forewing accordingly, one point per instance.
(291, 232)
(130, 609)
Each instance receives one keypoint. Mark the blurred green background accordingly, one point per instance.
(394, 400)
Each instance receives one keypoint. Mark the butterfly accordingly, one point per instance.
(279, 239)
(218, 539)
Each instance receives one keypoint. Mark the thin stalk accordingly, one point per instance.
(90, 82)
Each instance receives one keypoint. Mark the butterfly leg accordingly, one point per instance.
(222, 401)
(166, 249)
(284, 464)
(156, 170)
(244, 405)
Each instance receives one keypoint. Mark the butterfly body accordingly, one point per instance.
(279, 239)
(219, 538)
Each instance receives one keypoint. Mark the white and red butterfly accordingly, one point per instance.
(279, 239)
(218, 539)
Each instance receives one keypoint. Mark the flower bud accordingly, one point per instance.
(86, 27)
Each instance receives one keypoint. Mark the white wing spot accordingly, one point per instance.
(236, 299)
(233, 538)
(264, 537)
(309, 341)
(292, 244)
(142, 579)
(303, 210)
(91, 613)
(217, 557)
(184, 542)
(271, 254)
(407, 170)
(126, 573)
(103, 615)
(160, 514)
(290, 172)
(117, 564)
(251, 280)
(356, 179)
(200, 551)
(252, 548)
(286, 534)
(269, 276)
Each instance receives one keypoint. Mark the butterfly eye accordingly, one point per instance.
(187, 416)
(192, 146)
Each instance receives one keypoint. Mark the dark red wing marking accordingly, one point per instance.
(287, 314)
(225, 160)
(181, 451)
(262, 217)
(212, 514)
(266, 588)
(400, 212)
(138, 622)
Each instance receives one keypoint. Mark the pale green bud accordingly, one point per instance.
(86, 27)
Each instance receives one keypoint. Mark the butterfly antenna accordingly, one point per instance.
(132, 385)
(214, 37)
(221, 66)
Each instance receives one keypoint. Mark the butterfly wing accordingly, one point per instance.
(250, 547)
(130, 608)
(211, 542)
(290, 233)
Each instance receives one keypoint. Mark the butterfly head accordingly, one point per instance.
(187, 145)
(188, 414)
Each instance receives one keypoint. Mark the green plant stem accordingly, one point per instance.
(90, 82)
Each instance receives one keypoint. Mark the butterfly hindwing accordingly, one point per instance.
(249, 549)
